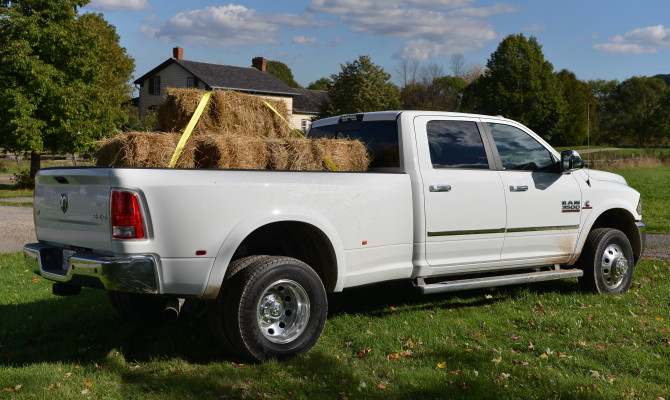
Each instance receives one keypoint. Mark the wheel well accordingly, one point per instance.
(294, 239)
(622, 220)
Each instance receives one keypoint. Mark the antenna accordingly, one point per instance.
(588, 142)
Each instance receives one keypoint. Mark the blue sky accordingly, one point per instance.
(595, 39)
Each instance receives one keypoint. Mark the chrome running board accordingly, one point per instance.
(493, 281)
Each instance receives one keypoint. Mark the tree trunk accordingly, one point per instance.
(35, 163)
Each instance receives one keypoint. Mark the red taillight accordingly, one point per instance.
(127, 220)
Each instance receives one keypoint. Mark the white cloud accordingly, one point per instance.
(639, 41)
(432, 27)
(231, 25)
(535, 28)
(119, 5)
(304, 40)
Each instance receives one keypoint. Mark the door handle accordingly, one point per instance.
(518, 188)
(440, 188)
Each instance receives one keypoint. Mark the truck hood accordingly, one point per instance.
(603, 176)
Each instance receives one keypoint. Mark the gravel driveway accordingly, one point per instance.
(17, 229)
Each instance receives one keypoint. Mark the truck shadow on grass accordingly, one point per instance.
(182, 360)
(85, 328)
(380, 299)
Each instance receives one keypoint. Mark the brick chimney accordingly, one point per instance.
(178, 53)
(259, 63)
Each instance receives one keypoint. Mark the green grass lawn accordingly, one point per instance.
(654, 186)
(541, 341)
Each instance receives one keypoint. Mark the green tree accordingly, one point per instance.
(63, 78)
(361, 86)
(283, 72)
(577, 97)
(320, 84)
(602, 120)
(519, 84)
(642, 109)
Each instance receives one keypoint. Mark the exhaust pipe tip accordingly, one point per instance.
(172, 309)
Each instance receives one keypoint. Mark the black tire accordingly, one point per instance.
(216, 309)
(607, 260)
(145, 310)
(275, 308)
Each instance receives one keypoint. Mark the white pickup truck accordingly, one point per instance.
(450, 201)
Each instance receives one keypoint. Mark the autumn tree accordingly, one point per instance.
(283, 72)
(361, 86)
(519, 84)
(63, 78)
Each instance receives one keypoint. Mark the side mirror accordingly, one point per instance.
(570, 160)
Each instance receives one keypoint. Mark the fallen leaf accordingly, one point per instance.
(406, 353)
(394, 356)
(531, 346)
(454, 372)
(369, 332)
(35, 279)
(382, 387)
(89, 383)
(68, 374)
(594, 374)
(544, 356)
(133, 367)
(18, 387)
(469, 350)
(85, 391)
(582, 343)
(513, 336)
(364, 352)
(497, 360)
(442, 365)
(488, 297)
(394, 308)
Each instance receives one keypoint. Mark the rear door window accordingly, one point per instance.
(456, 144)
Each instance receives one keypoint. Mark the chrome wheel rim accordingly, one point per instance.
(283, 311)
(614, 266)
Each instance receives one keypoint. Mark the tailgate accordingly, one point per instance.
(72, 207)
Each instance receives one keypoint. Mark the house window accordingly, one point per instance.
(191, 82)
(152, 109)
(155, 85)
(303, 125)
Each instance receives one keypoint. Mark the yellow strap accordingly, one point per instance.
(189, 129)
(330, 164)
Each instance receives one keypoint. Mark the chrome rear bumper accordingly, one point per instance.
(136, 274)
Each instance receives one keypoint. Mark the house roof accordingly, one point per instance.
(218, 76)
(309, 101)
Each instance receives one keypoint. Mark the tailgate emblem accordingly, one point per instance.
(63, 202)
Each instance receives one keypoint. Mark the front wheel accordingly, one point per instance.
(276, 308)
(607, 261)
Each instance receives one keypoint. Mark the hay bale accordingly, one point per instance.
(304, 154)
(230, 152)
(227, 112)
(144, 149)
(345, 154)
(278, 156)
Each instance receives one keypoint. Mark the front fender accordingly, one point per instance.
(592, 217)
(253, 222)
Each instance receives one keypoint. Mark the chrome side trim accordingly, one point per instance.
(543, 228)
(472, 232)
(518, 188)
(135, 274)
(503, 230)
